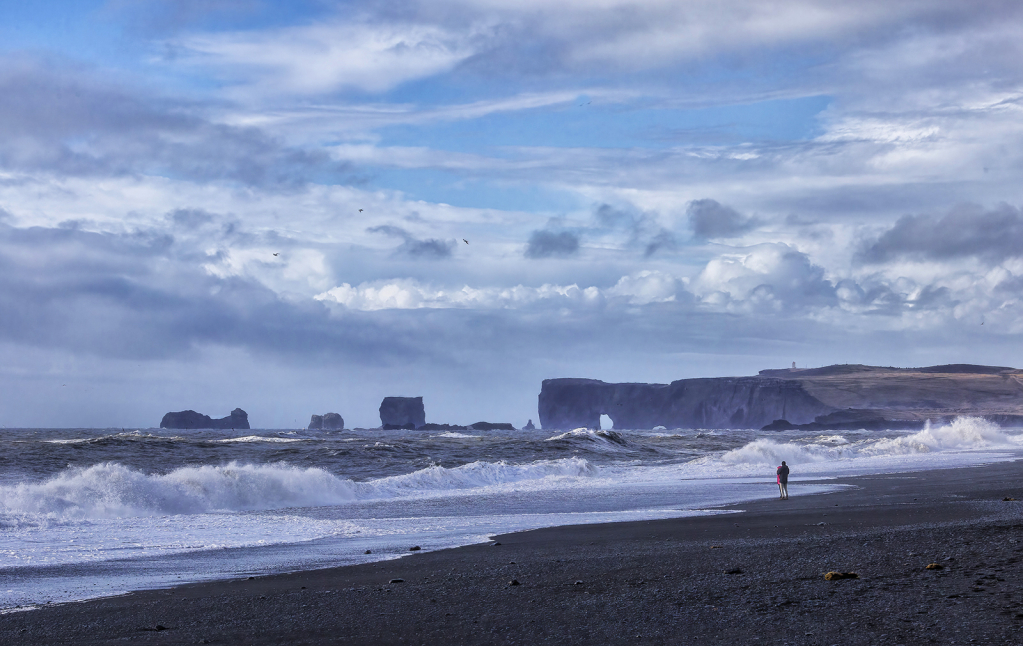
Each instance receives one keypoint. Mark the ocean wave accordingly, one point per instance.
(454, 434)
(607, 437)
(477, 475)
(964, 433)
(112, 490)
(115, 437)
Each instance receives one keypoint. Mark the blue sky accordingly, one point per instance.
(650, 190)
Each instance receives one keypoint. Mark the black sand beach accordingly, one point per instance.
(755, 577)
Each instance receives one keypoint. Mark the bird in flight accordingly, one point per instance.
(465, 241)
(275, 254)
(360, 210)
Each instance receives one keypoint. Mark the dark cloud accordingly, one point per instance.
(140, 296)
(66, 121)
(711, 219)
(549, 244)
(414, 247)
(965, 231)
(642, 228)
(664, 239)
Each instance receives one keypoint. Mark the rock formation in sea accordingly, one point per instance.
(402, 413)
(492, 426)
(443, 427)
(529, 426)
(189, 419)
(327, 422)
(834, 397)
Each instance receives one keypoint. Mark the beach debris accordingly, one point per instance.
(734, 570)
(578, 582)
(934, 566)
(834, 576)
(1008, 499)
(369, 551)
(414, 548)
(716, 547)
(514, 582)
(158, 627)
(397, 581)
(496, 544)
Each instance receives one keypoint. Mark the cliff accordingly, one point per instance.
(729, 402)
(189, 419)
(847, 396)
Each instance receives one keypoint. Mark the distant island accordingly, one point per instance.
(849, 396)
(189, 419)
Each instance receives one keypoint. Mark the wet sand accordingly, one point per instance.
(754, 577)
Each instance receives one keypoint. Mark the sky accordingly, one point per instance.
(303, 207)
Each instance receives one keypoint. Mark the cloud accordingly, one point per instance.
(772, 276)
(643, 288)
(663, 239)
(411, 294)
(552, 244)
(67, 121)
(412, 246)
(323, 58)
(711, 219)
(190, 218)
(965, 231)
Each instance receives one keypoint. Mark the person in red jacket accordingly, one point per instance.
(783, 480)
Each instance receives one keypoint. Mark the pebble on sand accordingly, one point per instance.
(514, 582)
(414, 548)
(834, 576)
(934, 566)
(397, 581)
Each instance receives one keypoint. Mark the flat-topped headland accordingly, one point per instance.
(832, 397)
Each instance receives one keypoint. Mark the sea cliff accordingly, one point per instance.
(841, 396)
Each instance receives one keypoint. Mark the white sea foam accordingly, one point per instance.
(111, 490)
(455, 434)
(965, 433)
(260, 438)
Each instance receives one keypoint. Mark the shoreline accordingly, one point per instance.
(661, 579)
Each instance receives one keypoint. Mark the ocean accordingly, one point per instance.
(86, 513)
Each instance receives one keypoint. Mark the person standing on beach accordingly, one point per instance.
(783, 480)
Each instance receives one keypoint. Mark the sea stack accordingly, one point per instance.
(402, 412)
(326, 422)
(189, 419)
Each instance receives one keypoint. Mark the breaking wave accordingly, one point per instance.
(112, 490)
(965, 433)
(589, 435)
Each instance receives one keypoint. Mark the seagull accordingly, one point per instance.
(275, 254)
(465, 241)
(360, 210)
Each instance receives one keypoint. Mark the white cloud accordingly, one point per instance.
(642, 288)
(323, 58)
(411, 294)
